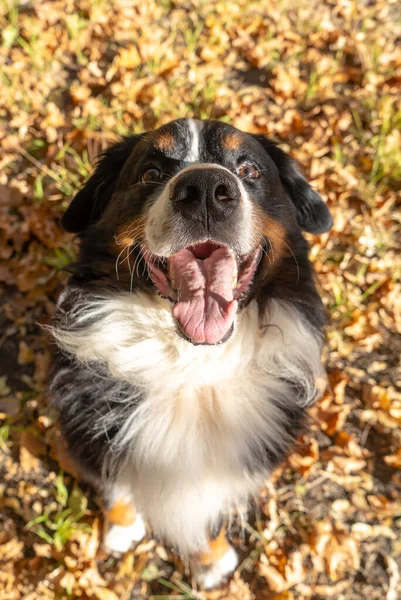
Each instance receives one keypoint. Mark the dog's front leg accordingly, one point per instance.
(211, 568)
(123, 526)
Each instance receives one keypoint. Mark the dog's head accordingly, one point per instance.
(199, 212)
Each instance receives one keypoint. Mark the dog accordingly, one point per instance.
(190, 333)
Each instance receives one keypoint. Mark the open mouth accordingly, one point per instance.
(205, 282)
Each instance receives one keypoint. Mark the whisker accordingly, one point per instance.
(130, 249)
(137, 261)
(261, 247)
(265, 252)
(284, 241)
(136, 226)
(144, 261)
(153, 259)
(117, 259)
(133, 272)
(136, 234)
(127, 258)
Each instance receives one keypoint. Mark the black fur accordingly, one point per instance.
(85, 396)
(91, 201)
(93, 405)
(312, 214)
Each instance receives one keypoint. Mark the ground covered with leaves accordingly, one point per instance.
(323, 78)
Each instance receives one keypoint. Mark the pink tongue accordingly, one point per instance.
(206, 308)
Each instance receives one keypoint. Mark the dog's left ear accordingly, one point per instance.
(312, 213)
(90, 202)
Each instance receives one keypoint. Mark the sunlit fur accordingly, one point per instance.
(187, 432)
(197, 440)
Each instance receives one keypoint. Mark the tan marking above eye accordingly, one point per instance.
(232, 141)
(164, 141)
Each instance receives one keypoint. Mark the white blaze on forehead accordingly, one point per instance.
(194, 131)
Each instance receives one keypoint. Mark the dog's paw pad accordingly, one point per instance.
(118, 539)
(211, 576)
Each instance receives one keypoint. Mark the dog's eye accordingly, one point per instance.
(151, 175)
(247, 171)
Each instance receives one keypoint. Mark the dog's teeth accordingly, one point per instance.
(235, 276)
(171, 276)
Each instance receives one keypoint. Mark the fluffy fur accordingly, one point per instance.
(186, 432)
(201, 427)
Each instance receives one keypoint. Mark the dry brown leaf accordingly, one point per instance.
(305, 457)
(11, 550)
(103, 594)
(339, 550)
(28, 461)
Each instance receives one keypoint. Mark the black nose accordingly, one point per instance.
(207, 195)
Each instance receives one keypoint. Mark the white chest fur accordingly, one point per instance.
(204, 410)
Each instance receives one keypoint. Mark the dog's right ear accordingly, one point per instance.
(89, 204)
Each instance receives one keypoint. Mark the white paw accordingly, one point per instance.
(119, 539)
(210, 576)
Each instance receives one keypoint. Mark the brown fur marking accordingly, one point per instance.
(131, 232)
(164, 141)
(274, 232)
(217, 548)
(269, 228)
(232, 141)
(121, 513)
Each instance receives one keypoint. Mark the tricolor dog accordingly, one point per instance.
(190, 333)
